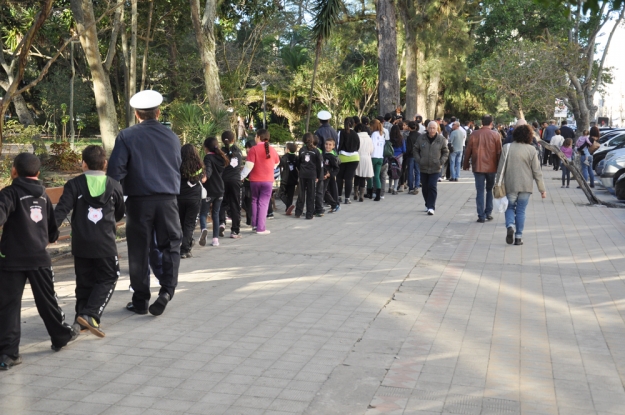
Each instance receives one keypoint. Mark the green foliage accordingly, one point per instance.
(194, 124)
(279, 134)
(63, 158)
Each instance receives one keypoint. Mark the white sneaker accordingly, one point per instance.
(430, 212)
(265, 232)
(215, 242)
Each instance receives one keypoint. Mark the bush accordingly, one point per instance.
(63, 158)
(279, 134)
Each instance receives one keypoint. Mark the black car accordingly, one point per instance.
(619, 188)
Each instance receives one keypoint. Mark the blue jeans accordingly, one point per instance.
(455, 159)
(484, 182)
(430, 191)
(414, 175)
(587, 170)
(204, 208)
(515, 214)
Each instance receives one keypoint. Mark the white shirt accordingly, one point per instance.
(557, 140)
(378, 145)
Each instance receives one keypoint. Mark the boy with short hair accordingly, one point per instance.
(29, 225)
(97, 204)
(289, 178)
(330, 169)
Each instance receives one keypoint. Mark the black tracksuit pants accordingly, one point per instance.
(331, 195)
(232, 203)
(247, 203)
(346, 174)
(147, 218)
(188, 211)
(11, 290)
(287, 194)
(95, 283)
(318, 196)
(306, 194)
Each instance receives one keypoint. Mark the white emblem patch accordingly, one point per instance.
(307, 158)
(234, 162)
(94, 215)
(35, 214)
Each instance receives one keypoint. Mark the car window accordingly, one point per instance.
(617, 140)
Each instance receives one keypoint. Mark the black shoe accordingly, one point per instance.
(518, 241)
(489, 217)
(298, 216)
(203, 236)
(74, 336)
(131, 307)
(91, 324)
(222, 229)
(158, 306)
(347, 201)
(480, 220)
(7, 362)
(510, 235)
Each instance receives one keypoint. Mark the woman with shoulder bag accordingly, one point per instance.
(587, 144)
(520, 166)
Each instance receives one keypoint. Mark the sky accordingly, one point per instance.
(614, 103)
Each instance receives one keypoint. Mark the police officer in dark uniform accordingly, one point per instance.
(146, 160)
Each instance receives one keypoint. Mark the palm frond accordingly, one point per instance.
(326, 16)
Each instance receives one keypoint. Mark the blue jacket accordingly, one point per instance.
(146, 160)
(324, 132)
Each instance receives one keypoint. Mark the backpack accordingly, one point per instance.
(394, 168)
(388, 149)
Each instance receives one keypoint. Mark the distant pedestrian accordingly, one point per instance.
(232, 186)
(364, 170)
(309, 169)
(567, 150)
(215, 161)
(190, 197)
(457, 139)
(431, 152)
(288, 177)
(483, 151)
(557, 141)
(522, 168)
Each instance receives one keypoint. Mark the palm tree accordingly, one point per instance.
(326, 16)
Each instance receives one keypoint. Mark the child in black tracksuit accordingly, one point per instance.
(190, 197)
(309, 169)
(331, 169)
(215, 161)
(232, 186)
(289, 178)
(97, 204)
(28, 219)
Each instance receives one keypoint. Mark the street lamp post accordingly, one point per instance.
(264, 86)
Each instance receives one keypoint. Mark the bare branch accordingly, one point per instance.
(110, 54)
(605, 51)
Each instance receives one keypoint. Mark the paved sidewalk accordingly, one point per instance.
(377, 309)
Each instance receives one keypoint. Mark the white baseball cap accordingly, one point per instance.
(146, 100)
(324, 115)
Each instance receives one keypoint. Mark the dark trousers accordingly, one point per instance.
(247, 203)
(546, 157)
(566, 173)
(287, 191)
(346, 175)
(555, 161)
(318, 196)
(231, 202)
(147, 218)
(330, 194)
(360, 181)
(306, 195)
(188, 210)
(95, 284)
(11, 290)
(429, 181)
(484, 183)
(212, 205)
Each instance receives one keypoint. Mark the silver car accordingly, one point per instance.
(613, 169)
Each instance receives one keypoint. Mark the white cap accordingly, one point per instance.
(146, 100)
(324, 115)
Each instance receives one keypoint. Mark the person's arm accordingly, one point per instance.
(501, 163)
(120, 206)
(537, 173)
(467, 154)
(416, 151)
(53, 229)
(444, 152)
(6, 205)
(66, 203)
(246, 169)
(118, 162)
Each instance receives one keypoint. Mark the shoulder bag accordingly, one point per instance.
(499, 190)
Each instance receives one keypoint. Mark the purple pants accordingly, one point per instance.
(261, 195)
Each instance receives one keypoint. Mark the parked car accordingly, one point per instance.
(605, 156)
(619, 188)
(613, 169)
(614, 142)
(606, 135)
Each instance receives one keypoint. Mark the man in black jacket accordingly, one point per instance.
(146, 160)
(414, 176)
(97, 204)
(28, 219)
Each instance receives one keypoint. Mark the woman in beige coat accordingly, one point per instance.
(365, 167)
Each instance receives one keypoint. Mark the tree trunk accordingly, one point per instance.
(144, 66)
(83, 15)
(312, 82)
(421, 85)
(388, 88)
(132, 65)
(204, 27)
(432, 94)
(411, 77)
(22, 111)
